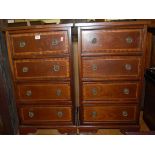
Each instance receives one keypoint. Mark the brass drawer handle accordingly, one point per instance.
(94, 114)
(55, 42)
(60, 114)
(28, 93)
(124, 113)
(129, 40)
(94, 67)
(31, 114)
(58, 92)
(94, 91)
(126, 91)
(22, 44)
(25, 69)
(128, 67)
(56, 68)
(94, 41)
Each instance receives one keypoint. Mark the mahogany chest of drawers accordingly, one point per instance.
(111, 58)
(111, 61)
(41, 63)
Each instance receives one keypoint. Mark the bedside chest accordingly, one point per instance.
(41, 63)
(111, 68)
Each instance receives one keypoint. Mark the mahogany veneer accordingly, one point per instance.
(111, 59)
(41, 62)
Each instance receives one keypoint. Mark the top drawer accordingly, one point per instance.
(55, 42)
(111, 40)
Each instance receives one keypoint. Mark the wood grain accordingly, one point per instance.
(111, 91)
(109, 113)
(44, 44)
(107, 39)
(111, 67)
(44, 115)
(44, 91)
(42, 69)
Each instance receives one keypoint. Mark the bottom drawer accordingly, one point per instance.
(109, 113)
(48, 114)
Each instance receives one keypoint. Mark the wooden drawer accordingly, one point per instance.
(109, 113)
(42, 68)
(44, 114)
(43, 91)
(123, 67)
(111, 91)
(55, 42)
(108, 39)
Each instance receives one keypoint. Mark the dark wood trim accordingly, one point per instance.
(52, 26)
(72, 129)
(71, 57)
(94, 129)
(114, 24)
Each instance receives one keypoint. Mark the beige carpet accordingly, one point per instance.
(143, 127)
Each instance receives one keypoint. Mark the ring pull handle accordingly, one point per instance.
(94, 67)
(56, 68)
(126, 91)
(25, 69)
(55, 42)
(60, 114)
(58, 92)
(22, 44)
(94, 41)
(94, 114)
(28, 93)
(129, 40)
(128, 67)
(124, 113)
(31, 114)
(94, 91)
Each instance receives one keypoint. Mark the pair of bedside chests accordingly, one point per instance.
(111, 63)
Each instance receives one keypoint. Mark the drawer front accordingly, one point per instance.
(43, 91)
(112, 67)
(111, 91)
(109, 113)
(42, 68)
(121, 39)
(50, 42)
(37, 115)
